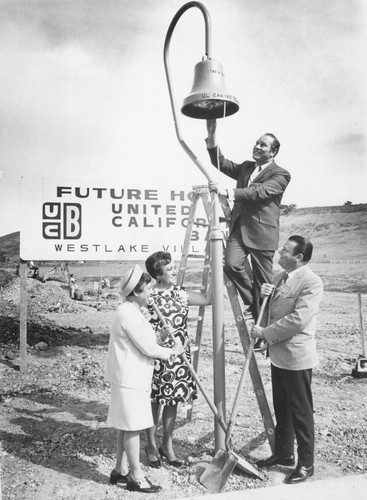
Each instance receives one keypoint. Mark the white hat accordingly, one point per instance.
(130, 280)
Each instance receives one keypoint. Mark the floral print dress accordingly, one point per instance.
(172, 381)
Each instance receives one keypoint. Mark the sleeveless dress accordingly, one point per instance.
(172, 381)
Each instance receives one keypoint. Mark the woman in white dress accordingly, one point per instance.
(130, 361)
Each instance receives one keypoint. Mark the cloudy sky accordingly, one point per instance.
(83, 92)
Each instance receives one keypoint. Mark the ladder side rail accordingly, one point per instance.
(186, 244)
(197, 193)
(205, 277)
(202, 309)
(245, 340)
(207, 207)
(262, 401)
(204, 195)
(200, 323)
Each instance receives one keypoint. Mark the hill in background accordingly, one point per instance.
(338, 233)
(9, 249)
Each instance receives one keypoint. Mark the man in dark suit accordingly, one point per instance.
(254, 224)
(292, 310)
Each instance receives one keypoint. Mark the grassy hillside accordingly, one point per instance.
(337, 232)
(9, 248)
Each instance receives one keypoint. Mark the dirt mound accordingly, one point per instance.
(42, 297)
(55, 440)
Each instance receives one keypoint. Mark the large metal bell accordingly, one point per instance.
(209, 97)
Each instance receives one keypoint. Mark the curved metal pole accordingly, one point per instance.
(174, 21)
(216, 237)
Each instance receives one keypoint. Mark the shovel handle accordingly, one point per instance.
(244, 374)
(194, 374)
(361, 324)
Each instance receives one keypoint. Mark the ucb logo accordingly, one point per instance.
(62, 220)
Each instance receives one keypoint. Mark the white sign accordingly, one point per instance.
(63, 219)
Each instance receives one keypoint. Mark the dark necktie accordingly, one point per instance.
(282, 282)
(254, 174)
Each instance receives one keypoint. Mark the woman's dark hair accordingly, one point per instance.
(144, 280)
(303, 246)
(155, 263)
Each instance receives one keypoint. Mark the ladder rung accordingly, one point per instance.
(186, 407)
(194, 318)
(202, 188)
(201, 224)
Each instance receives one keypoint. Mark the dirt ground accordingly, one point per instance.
(55, 442)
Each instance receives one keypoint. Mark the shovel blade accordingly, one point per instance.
(246, 467)
(218, 471)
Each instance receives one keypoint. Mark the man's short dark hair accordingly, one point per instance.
(275, 145)
(303, 246)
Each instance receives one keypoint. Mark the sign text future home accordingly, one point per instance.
(85, 220)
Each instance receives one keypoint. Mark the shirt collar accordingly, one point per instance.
(293, 273)
(263, 166)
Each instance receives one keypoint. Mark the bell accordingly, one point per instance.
(209, 97)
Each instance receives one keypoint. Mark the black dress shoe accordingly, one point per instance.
(174, 463)
(116, 477)
(276, 460)
(156, 464)
(260, 345)
(133, 485)
(300, 473)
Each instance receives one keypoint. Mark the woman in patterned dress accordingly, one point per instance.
(172, 381)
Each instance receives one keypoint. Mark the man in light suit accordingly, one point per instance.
(290, 335)
(254, 224)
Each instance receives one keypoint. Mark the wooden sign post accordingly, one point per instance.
(23, 316)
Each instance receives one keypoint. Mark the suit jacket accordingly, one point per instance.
(292, 328)
(132, 349)
(258, 205)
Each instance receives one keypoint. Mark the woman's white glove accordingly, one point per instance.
(178, 348)
(166, 331)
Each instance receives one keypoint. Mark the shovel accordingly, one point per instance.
(360, 370)
(218, 471)
(236, 459)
